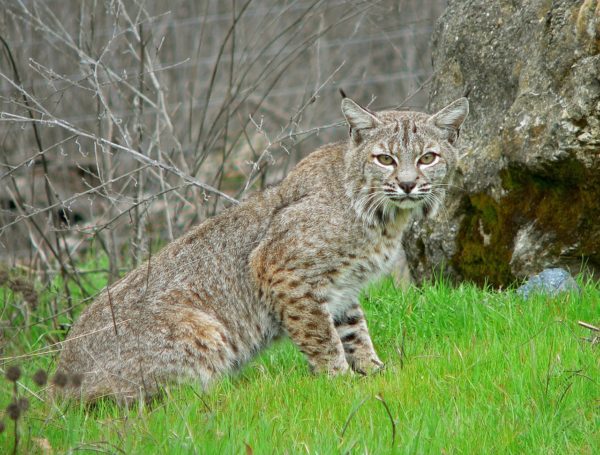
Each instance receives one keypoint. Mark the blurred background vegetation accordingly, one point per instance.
(123, 123)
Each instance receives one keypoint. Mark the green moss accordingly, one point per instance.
(561, 200)
(483, 256)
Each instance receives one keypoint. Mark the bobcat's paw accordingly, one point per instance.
(367, 366)
(337, 367)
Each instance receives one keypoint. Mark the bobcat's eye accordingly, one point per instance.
(428, 158)
(386, 160)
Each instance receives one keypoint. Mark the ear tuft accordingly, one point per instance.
(451, 117)
(358, 118)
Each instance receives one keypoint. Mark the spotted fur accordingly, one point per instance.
(288, 261)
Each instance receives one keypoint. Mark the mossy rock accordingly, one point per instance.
(530, 183)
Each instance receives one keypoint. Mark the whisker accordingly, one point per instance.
(435, 202)
(377, 203)
(447, 185)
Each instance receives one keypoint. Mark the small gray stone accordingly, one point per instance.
(550, 282)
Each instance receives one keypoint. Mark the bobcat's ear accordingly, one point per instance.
(451, 118)
(358, 119)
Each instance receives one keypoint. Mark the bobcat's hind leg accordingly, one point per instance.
(193, 342)
(174, 340)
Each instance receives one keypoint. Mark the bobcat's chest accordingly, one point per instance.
(359, 268)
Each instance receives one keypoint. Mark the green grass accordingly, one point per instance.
(482, 372)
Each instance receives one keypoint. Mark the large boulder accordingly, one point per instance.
(527, 194)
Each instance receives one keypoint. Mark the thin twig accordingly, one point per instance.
(379, 398)
(588, 326)
(112, 310)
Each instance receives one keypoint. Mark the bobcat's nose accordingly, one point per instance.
(407, 187)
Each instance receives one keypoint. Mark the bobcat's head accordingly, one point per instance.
(400, 160)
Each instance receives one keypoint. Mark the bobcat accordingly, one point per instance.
(290, 260)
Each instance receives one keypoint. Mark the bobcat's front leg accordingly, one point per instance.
(310, 326)
(288, 287)
(352, 329)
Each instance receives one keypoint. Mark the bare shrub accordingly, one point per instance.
(126, 122)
